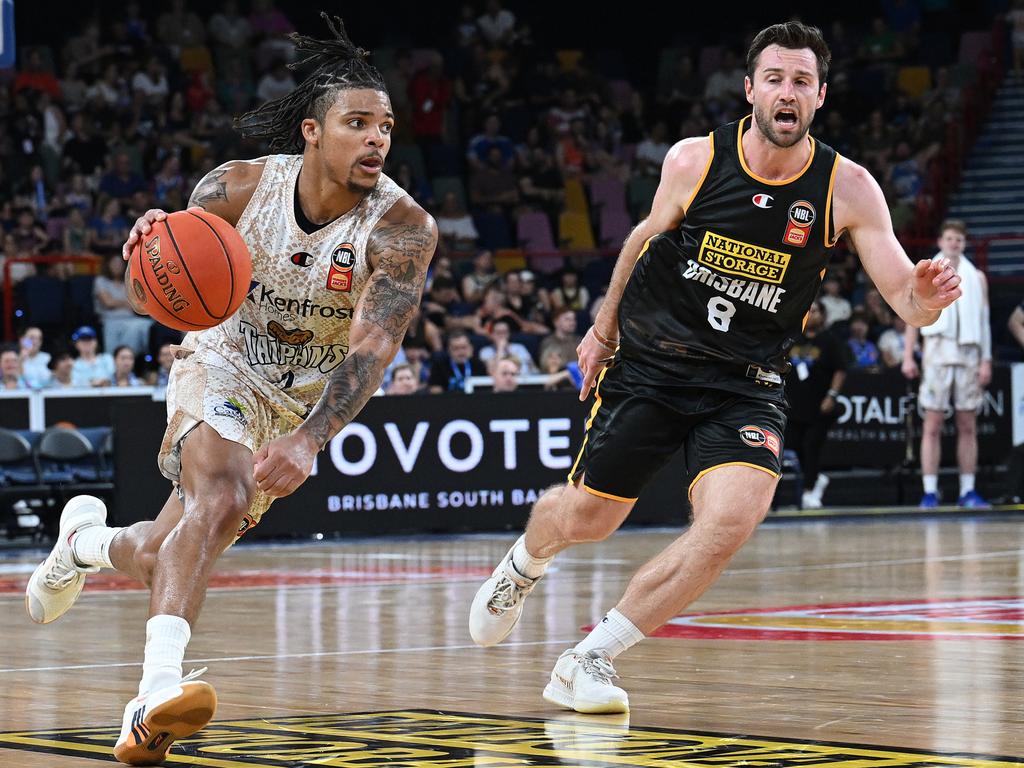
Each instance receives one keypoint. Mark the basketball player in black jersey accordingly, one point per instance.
(689, 350)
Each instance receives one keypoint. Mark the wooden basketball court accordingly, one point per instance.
(826, 643)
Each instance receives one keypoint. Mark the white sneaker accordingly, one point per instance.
(58, 581)
(154, 721)
(810, 500)
(584, 682)
(499, 603)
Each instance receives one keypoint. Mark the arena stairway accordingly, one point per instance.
(990, 197)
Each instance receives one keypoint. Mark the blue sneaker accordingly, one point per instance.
(972, 500)
(929, 501)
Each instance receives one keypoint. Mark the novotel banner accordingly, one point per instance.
(442, 462)
(416, 463)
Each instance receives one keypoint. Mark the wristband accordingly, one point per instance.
(606, 343)
(833, 393)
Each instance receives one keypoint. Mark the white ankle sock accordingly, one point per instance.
(966, 483)
(931, 483)
(614, 634)
(531, 567)
(91, 546)
(166, 638)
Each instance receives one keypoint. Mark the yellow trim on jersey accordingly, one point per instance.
(751, 174)
(641, 254)
(828, 202)
(611, 496)
(689, 491)
(703, 176)
(590, 422)
(578, 457)
(807, 314)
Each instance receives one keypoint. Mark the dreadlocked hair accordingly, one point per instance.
(337, 64)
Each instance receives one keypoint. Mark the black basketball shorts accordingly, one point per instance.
(633, 430)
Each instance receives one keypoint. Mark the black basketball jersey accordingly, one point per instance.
(722, 297)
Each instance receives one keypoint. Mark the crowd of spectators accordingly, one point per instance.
(535, 163)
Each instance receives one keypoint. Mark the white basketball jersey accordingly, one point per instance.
(292, 329)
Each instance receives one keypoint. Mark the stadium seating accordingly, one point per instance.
(494, 230)
(445, 184)
(914, 81)
(575, 232)
(81, 305)
(533, 231)
(56, 463)
(608, 193)
(18, 466)
(576, 197)
(615, 227)
(508, 259)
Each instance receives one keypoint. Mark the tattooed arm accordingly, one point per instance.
(400, 249)
(224, 191)
(227, 189)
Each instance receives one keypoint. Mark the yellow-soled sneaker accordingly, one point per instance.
(156, 720)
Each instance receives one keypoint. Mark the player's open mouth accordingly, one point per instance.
(786, 117)
(371, 164)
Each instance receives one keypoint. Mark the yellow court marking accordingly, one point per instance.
(427, 739)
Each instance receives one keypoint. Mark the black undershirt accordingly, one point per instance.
(304, 223)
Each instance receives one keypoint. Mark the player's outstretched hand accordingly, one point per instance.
(283, 464)
(936, 283)
(594, 354)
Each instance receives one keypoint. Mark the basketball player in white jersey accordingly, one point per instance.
(340, 255)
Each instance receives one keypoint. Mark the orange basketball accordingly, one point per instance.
(192, 271)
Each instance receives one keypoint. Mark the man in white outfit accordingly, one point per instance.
(339, 260)
(956, 360)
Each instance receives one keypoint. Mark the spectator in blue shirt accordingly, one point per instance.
(90, 368)
(34, 361)
(121, 182)
(10, 369)
(124, 365)
(480, 145)
(451, 372)
(863, 352)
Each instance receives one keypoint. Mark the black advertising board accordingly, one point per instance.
(870, 430)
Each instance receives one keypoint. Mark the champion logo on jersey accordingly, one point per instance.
(342, 261)
(302, 259)
(762, 200)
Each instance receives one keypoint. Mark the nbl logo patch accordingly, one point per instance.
(343, 260)
(801, 219)
(757, 437)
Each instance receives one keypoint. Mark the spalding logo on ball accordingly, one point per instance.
(192, 272)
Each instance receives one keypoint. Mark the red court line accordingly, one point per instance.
(111, 581)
